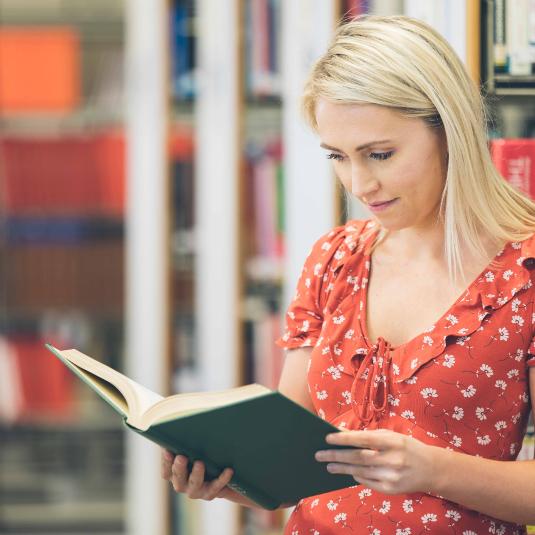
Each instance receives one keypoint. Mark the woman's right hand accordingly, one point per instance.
(175, 470)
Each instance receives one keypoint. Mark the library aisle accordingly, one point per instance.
(159, 192)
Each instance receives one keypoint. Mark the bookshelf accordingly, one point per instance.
(62, 267)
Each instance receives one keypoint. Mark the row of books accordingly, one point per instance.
(514, 37)
(71, 175)
(263, 204)
(86, 276)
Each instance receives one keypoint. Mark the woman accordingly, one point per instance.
(411, 331)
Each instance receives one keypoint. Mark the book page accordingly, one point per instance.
(182, 404)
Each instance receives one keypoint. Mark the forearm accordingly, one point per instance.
(501, 489)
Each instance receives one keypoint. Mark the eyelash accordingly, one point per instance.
(379, 156)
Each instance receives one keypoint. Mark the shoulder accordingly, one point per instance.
(335, 246)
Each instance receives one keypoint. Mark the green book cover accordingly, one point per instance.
(266, 438)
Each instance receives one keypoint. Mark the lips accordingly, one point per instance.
(380, 203)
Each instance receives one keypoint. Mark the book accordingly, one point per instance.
(267, 439)
(514, 159)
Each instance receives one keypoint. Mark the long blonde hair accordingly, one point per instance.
(404, 64)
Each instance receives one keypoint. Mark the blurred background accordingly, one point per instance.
(158, 195)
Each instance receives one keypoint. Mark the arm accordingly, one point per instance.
(175, 469)
(394, 463)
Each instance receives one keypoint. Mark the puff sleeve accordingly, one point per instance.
(304, 317)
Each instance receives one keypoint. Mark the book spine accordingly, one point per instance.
(212, 470)
(500, 43)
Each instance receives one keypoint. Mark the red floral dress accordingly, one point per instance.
(462, 384)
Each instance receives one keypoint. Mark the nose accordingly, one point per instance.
(363, 184)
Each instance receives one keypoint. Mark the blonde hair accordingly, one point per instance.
(404, 64)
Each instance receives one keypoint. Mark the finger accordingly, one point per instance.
(196, 480)
(370, 473)
(166, 464)
(217, 485)
(180, 473)
(351, 456)
(376, 440)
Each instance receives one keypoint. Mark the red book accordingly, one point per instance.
(514, 159)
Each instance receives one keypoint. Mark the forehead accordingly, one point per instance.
(360, 116)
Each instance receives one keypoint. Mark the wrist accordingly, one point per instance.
(441, 467)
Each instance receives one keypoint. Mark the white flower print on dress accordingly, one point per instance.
(429, 393)
(428, 340)
(395, 369)
(392, 400)
(449, 361)
(512, 373)
(515, 304)
(385, 507)
(452, 319)
(332, 505)
(500, 384)
(322, 394)
(407, 506)
(365, 492)
(338, 320)
(347, 396)
(458, 413)
(340, 517)
(484, 440)
(507, 274)
(456, 441)
(405, 531)
(469, 391)
(500, 425)
(454, 515)
(487, 370)
(412, 380)
(429, 517)
(308, 282)
(317, 269)
(314, 503)
(335, 371)
(325, 246)
(305, 327)
(517, 320)
(480, 413)
(408, 415)
(349, 334)
(489, 276)
(504, 334)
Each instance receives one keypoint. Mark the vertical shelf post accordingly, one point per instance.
(307, 27)
(147, 247)
(217, 216)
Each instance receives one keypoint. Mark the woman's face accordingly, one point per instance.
(380, 155)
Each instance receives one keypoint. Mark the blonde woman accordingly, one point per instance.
(411, 331)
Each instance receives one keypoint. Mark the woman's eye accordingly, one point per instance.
(381, 155)
(334, 156)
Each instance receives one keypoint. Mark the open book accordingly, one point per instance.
(266, 438)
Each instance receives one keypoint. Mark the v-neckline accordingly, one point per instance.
(364, 311)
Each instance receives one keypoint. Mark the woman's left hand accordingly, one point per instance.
(383, 460)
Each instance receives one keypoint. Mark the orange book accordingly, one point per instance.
(39, 69)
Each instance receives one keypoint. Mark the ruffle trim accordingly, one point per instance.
(493, 289)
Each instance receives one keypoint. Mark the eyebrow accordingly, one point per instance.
(360, 147)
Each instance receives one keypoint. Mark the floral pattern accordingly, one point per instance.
(461, 384)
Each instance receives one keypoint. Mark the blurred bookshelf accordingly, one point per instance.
(62, 249)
